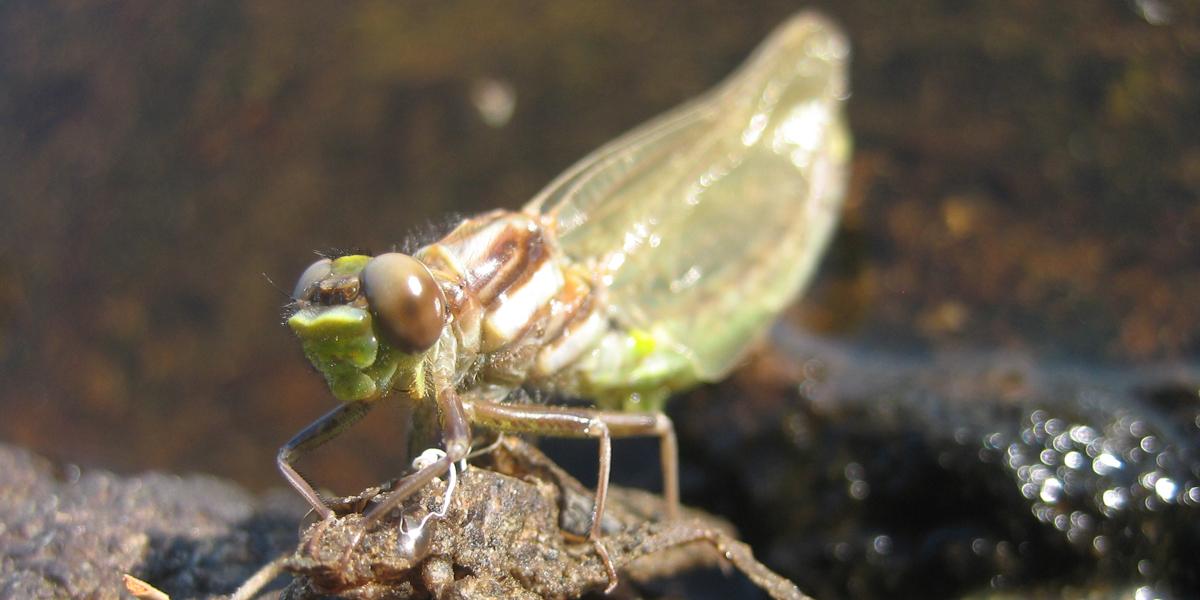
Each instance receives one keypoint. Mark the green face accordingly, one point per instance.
(340, 339)
(341, 343)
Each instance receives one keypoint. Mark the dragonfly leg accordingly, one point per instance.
(320, 431)
(587, 423)
(456, 436)
(668, 449)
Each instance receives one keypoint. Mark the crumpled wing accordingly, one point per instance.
(707, 221)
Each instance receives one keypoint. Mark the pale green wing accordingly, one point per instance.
(707, 221)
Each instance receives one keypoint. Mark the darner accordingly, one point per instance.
(649, 266)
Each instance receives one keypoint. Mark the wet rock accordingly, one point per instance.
(870, 475)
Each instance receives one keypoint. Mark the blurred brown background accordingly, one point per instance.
(1026, 178)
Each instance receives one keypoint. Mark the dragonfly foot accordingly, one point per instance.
(314, 539)
(609, 567)
(415, 539)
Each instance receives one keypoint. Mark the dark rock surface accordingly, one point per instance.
(66, 533)
(72, 534)
(502, 538)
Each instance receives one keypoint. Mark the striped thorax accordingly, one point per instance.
(516, 311)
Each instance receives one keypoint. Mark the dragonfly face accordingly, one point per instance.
(360, 317)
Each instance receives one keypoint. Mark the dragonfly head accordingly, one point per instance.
(363, 319)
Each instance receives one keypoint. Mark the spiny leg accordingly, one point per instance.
(587, 423)
(329, 426)
(320, 431)
(456, 437)
(560, 421)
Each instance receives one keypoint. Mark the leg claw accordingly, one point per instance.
(609, 567)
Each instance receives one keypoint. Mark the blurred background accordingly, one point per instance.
(1025, 185)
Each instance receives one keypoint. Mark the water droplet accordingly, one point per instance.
(1164, 460)
(1039, 474)
(961, 435)
(1155, 12)
(859, 490)
(1015, 460)
(1043, 513)
(1082, 434)
(853, 471)
(1029, 490)
(495, 99)
(1147, 479)
(1138, 428)
(1116, 498)
(1051, 490)
(71, 474)
(1145, 567)
(1028, 436)
(1166, 489)
(1061, 522)
(1106, 463)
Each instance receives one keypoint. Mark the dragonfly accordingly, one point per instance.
(648, 267)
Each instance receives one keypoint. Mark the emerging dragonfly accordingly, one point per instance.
(647, 267)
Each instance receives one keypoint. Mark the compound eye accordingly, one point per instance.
(405, 299)
(313, 274)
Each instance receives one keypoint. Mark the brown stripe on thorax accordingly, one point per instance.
(496, 258)
(490, 253)
(518, 261)
(499, 254)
